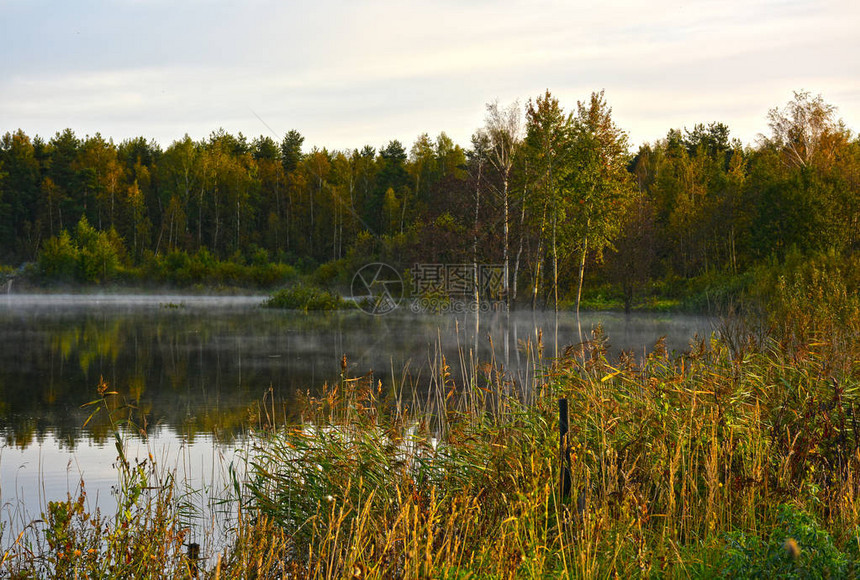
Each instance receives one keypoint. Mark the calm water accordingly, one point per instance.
(198, 367)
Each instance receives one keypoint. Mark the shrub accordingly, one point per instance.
(305, 298)
(797, 548)
(271, 274)
(812, 297)
(58, 259)
(92, 256)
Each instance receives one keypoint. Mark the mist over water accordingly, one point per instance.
(197, 368)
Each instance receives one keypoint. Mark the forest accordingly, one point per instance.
(554, 194)
(739, 457)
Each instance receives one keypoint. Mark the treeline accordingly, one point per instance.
(553, 195)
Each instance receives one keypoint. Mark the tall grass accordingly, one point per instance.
(143, 539)
(697, 465)
(724, 461)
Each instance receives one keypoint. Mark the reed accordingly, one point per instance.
(738, 458)
(694, 465)
(143, 539)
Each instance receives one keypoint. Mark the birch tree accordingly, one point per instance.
(547, 139)
(504, 128)
(598, 181)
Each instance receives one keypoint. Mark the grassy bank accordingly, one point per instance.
(716, 463)
(721, 462)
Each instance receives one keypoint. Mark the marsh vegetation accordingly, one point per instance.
(737, 457)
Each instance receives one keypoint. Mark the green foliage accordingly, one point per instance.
(100, 253)
(303, 297)
(309, 472)
(714, 293)
(811, 296)
(334, 272)
(58, 259)
(91, 257)
(797, 548)
(180, 269)
(706, 206)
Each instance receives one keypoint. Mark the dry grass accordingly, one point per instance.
(674, 462)
(723, 461)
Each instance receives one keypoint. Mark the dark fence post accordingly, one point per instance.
(193, 555)
(563, 450)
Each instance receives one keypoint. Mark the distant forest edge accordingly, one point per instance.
(554, 196)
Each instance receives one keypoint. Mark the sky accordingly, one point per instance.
(349, 73)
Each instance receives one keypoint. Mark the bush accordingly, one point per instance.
(58, 259)
(100, 253)
(92, 256)
(271, 274)
(331, 272)
(812, 295)
(797, 548)
(201, 269)
(305, 298)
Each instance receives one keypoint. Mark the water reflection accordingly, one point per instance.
(196, 368)
(46, 470)
(199, 364)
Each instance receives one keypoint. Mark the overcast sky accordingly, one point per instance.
(355, 72)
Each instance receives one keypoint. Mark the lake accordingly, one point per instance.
(198, 367)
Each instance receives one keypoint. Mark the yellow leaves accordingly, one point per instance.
(103, 386)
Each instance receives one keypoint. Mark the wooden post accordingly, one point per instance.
(193, 556)
(563, 450)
